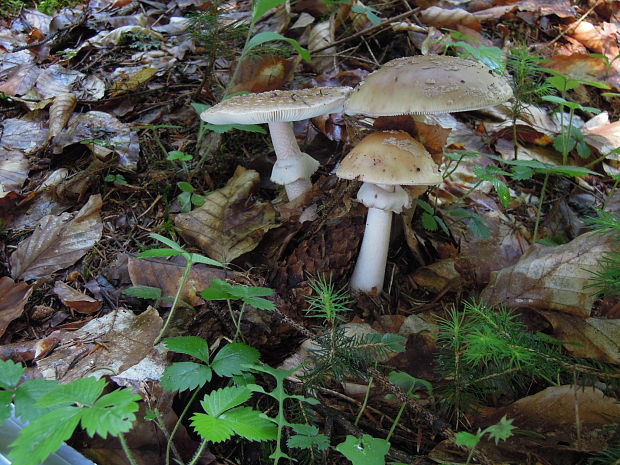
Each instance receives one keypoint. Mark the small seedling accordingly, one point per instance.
(187, 198)
(430, 220)
(366, 450)
(116, 179)
(499, 432)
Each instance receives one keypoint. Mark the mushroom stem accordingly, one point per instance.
(293, 168)
(370, 267)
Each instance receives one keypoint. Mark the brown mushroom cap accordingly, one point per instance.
(277, 106)
(427, 84)
(390, 157)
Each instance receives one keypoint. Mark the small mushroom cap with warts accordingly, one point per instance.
(277, 106)
(392, 158)
(427, 84)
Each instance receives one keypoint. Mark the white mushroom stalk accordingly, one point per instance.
(369, 271)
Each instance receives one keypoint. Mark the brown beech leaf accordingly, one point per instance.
(58, 242)
(264, 72)
(551, 277)
(165, 275)
(13, 297)
(321, 36)
(551, 414)
(75, 299)
(442, 17)
(231, 222)
(105, 346)
(13, 170)
(596, 338)
(60, 112)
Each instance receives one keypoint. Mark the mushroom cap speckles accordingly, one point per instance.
(428, 84)
(277, 106)
(390, 157)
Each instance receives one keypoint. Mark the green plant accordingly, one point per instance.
(491, 56)
(410, 385)
(366, 450)
(339, 354)
(54, 411)
(248, 295)
(607, 279)
(430, 220)
(187, 198)
(190, 258)
(499, 432)
(10, 8)
(116, 179)
(304, 435)
(485, 350)
(231, 361)
(50, 7)
(140, 41)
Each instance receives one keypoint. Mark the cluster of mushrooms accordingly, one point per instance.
(384, 161)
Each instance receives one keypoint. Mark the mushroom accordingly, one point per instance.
(427, 84)
(278, 108)
(384, 161)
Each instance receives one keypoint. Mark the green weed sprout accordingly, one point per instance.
(607, 279)
(190, 258)
(410, 385)
(305, 435)
(499, 432)
(230, 361)
(54, 411)
(248, 295)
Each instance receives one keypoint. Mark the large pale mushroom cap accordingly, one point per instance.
(390, 157)
(277, 106)
(427, 84)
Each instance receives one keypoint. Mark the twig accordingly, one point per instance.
(383, 24)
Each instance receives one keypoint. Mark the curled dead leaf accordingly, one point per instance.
(442, 17)
(60, 112)
(322, 35)
(231, 222)
(75, 299)
(13, 298)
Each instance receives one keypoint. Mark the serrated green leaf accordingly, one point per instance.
(365, 450)
(564, 143)
(84, 391)
(583, 149)
(143, 292)
(479, 226)
(260, 7)
(220, 400)
(27, 396)
(464, 438)
(503, 193)
(113, 414)
(428, 222)
(395, 342)
(501, 430)
(409, 383)
(189, 345)
(218, 290)
(425, 206)
(6, 398)
(269, 36)
(442, 225)
(521, 173)
(250, 424)
(10, 373)
(211, 428)
(232, 359)
(183, 376)
(44, 436)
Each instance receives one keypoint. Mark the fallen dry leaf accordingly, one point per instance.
(13, 298)
(58, 242)
(126, 82)
(60, 112)
(551, 278)
(165, 275)
(596, 338)
(551, 414)
(230, 223)
(264, 72)
(442, 17)
(13, 170)
(321, 36)
(105, 346)
(75, 299)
